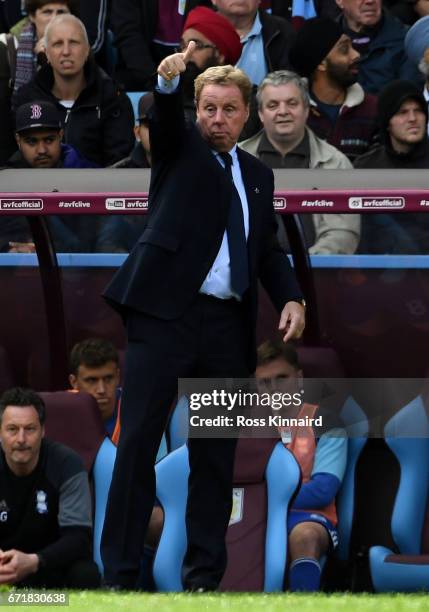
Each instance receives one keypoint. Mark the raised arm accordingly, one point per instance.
(173, 65)
(167, 125)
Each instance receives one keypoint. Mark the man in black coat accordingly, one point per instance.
(188, 294)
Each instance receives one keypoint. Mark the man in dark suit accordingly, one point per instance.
(188, 294)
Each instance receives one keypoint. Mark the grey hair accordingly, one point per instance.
(284, 77)
(67, 18)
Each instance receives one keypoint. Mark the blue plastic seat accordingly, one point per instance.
(134, 97)
(406, 569)
(356, 424)
(102, 476)
(282, 476)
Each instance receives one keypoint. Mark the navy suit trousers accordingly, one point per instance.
(210, 340)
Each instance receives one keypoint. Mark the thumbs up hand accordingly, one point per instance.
(174, 64)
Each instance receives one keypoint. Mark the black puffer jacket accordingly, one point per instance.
(100, 123)
(383, 156)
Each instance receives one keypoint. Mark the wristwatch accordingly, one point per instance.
(303, 303)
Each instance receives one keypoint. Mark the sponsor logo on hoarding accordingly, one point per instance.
(12, 204)
(424, 202)
(126, 203)
(115, 204)
(317, 203)
(379, 202)
(74, 204)
(280, 203)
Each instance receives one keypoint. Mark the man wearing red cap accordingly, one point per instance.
(214, 32)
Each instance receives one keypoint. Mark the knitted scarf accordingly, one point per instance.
(26, 59)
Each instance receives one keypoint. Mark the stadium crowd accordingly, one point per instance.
(344, 86)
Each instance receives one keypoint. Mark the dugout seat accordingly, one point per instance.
(266, 477)
(324, 364)
(406, 567)
(377, 476)
(102, 476)
(134, 97)
(74, 420)
(356, 424)
(321, 364)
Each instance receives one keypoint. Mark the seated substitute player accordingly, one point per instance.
(312, 518)
(45, 502)
(94, 368)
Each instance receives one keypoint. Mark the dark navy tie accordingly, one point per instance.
(236, 236)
